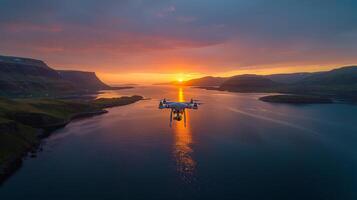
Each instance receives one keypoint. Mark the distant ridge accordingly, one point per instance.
(342, 76)
(340, 83)
(288, 78)
(249, 82)
(206, 81)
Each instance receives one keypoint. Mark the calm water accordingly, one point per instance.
(234, 147)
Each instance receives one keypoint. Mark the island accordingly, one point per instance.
(24, 122)
(295, 99)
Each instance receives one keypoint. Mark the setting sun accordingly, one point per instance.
(182, 77)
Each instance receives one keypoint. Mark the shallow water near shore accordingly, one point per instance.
(234, 147)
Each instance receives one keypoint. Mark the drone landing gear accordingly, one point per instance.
(184, 117)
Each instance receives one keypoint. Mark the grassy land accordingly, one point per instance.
(15, 138)
(23, 122)
(106, 103)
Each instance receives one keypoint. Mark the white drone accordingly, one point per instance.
(178, 108)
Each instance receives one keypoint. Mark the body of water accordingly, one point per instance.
(234, 147)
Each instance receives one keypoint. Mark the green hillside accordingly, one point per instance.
(23, 122)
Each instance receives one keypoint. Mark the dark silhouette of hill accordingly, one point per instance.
(206, 81)
(23, 76)
(340, 83)
(31, 77)
(248, 83)
(288, 78)
(341, 76)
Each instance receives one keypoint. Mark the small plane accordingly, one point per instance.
(178, 108)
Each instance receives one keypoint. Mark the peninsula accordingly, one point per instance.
(35, 100)
(295, 99)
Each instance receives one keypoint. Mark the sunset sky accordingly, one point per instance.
(135, 41)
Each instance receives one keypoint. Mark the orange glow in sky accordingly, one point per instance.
(152, 78)
(147, 78)
(139, 42)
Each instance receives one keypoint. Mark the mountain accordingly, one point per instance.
(249, 83)
(339, 83)
(87, 80)
(23, 61)
(209, 81)
(31, 77)
(288, 78)
(23, 76)
(206, 81)
(342, 76)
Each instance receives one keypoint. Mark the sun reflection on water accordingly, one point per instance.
(182, 146)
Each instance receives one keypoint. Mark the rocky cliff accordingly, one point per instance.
(83, 80)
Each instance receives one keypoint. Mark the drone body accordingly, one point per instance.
(178, 109)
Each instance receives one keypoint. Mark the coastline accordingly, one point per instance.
(298, 97)
(14, 161)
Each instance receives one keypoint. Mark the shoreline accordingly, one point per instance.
(12, 164)
(325, 98)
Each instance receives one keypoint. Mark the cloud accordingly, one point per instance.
(165, 11)
(205, 35)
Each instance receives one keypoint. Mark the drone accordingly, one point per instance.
(178, 109)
